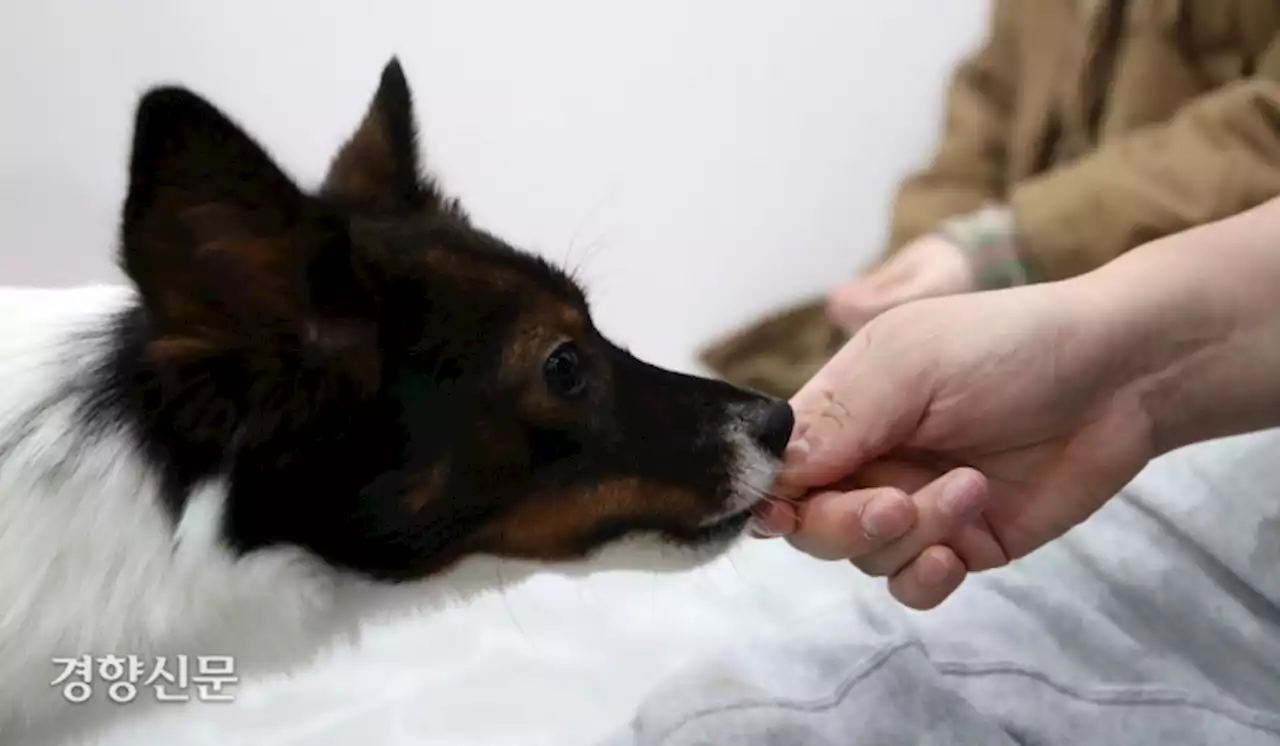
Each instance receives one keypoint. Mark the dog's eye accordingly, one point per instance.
(563, 370)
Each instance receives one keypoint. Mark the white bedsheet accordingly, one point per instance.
(553, 661)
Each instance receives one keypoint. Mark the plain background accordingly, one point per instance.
(699, 161)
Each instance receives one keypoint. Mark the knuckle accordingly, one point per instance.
(969, 478)
(885, 515)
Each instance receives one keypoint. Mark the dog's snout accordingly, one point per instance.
(772, 428)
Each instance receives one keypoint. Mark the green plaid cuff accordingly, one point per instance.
(989, 238)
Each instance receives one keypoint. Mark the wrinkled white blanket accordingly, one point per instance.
(556, 661)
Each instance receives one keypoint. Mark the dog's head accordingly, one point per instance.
(389, 386)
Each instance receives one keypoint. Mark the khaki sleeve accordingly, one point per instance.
(967, 167)
(1219, 155)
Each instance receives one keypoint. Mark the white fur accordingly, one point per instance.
(90, 564)
(752, 473)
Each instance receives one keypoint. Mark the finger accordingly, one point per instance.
(796, 451)
(797, 441)
(859, 302)
(974, 542)
(928, 579)
(843, 525)
(849, 318)
(978, 547)
(854, 304)
(852, 317)
(944, 508)
(775, 518)
(894, 472)
(896, 271)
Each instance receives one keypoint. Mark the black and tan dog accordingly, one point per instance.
(309, 394)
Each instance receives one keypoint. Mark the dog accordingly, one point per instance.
(307, 407)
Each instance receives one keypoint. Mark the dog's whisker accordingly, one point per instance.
(573, 239)
(579, 267)
(586, 220)
(506, 600)
(736, 570)
(754, 491)
(592, 249)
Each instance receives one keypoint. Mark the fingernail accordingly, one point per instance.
(882, 518)
(931, 572)
(962, 495)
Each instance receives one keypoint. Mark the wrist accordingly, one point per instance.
(1194, 334)
(1153, 337)
(988, 238)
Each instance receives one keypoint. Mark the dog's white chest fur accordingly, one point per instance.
(90, 564)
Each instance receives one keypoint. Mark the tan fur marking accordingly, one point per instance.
(176, 349)
(539, 330)
(550, 526)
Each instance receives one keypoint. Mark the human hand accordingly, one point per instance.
(955, 434)
(928, 267)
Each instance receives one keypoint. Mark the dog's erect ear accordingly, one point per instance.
(378, 169)
(223, 247)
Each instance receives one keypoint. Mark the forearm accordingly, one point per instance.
(1196, 319)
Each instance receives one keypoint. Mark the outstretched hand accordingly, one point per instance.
(928, 267)
(955, 434)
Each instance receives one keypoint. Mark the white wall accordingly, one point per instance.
(705, 159)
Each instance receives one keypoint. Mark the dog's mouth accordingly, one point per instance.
(724, 528)
(733, 522)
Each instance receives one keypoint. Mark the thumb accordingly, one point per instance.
(857, 408)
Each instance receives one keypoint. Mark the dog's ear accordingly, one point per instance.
(225, 250)
(378, 169)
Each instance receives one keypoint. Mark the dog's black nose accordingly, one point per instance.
(773, 427)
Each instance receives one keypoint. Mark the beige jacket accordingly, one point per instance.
(1098, 125)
